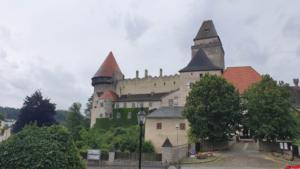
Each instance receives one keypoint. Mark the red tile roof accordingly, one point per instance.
(241, 77)
(108, 67)
(109, 95)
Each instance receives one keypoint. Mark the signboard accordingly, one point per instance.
(281, 146)
(93, 154)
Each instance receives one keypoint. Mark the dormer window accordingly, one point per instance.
(206, 29)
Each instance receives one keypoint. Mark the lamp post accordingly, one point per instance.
(141, 120)
(177, 127)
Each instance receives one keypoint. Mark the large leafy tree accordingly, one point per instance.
(36, 109)
(213, 109)
(40, 148)
(269, 110)
(75, 120)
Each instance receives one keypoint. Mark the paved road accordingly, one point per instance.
(243, 155)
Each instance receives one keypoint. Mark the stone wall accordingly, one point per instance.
(148, 85)
(189, 78)
(174, 154)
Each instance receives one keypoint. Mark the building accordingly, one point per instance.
(166, 122)
(165, 93)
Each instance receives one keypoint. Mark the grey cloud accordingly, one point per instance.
(292, 27)
(3, 54)
(135, 27)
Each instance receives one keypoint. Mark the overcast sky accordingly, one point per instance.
(57, 45)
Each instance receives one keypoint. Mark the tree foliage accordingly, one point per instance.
(89, 106)
(40, 148)
(36, 110)
(269, 106)
(120, 139)
(213, 109)
(9, 112)
(75, 120)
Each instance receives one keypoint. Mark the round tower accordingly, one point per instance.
(105, 79)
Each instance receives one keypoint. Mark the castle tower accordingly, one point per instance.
(208, 40)
(104, 82)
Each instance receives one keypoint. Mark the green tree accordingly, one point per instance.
(36, 110)
(89, 106)
(40, 148)
(75, 120)
(270, 110)
(213, 109)
(1, 116)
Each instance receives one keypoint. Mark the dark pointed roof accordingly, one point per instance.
(167, 143)
(109, 67)
(200, 62)
(207, 30)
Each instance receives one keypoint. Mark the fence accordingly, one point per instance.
(135, 156)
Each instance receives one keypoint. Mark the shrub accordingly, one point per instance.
(40, 148)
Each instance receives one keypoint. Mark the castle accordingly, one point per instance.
(113, 90)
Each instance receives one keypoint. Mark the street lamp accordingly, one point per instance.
(141, 120)
(177, 127)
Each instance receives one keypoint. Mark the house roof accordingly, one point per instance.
(109, 67)
(200, 62)
(241, 77)
(167, 112)
(109, 95)
(142, 97)
(207, 30)
(167, 143)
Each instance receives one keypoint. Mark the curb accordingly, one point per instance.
(200, 162)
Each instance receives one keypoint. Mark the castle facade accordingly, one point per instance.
(112, 90)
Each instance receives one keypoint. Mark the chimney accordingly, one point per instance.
(160, 72)
(146, 73)
(296, 82)
(137, 74)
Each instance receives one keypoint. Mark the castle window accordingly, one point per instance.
(133, 105)
(201, 75)
(125, 104)
(174, 82)
(192, 73)
(171, 102)
(164, 83)
(141, 104)
(158, 126)
(150, 104)
(101, 104)
(154, 84)
(117, 105)
(95, 107)
(182, 126)
(101, 115)
(118, 115)
(129, 115)
(110, 115)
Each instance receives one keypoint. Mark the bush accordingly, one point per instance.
(40, 148)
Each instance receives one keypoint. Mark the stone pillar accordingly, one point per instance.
(111, 157)
(146, 73)
(160, 72)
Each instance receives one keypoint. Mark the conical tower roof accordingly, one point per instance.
(207, 30)
(200, 62)
(109, 67)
